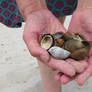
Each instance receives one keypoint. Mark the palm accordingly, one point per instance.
(82, 23)
(44, 22)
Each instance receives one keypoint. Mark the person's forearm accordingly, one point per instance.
(28, 6)
(84, 4)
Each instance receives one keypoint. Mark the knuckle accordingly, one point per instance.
(33, 52)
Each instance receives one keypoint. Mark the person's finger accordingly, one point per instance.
(34, 47)
(79, 66)
(62, 66)
(84, 62)
(83, 77)
(90, 52)
(64, 79)
(58, 76)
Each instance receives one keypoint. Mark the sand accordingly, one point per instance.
(19, 71)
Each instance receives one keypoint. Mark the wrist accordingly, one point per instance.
(84, 4)
(30, 9)
(27, 7)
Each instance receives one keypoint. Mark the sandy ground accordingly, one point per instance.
(19, 71)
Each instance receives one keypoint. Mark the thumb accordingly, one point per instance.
(34, 47)
(83, 77)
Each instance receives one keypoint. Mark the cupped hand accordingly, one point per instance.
(38, 23)
(81, 23)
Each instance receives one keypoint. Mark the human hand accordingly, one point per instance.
(81, 23)
(40, 22)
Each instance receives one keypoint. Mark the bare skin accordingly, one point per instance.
(39, 20)
(83, 19)
(47, 73)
